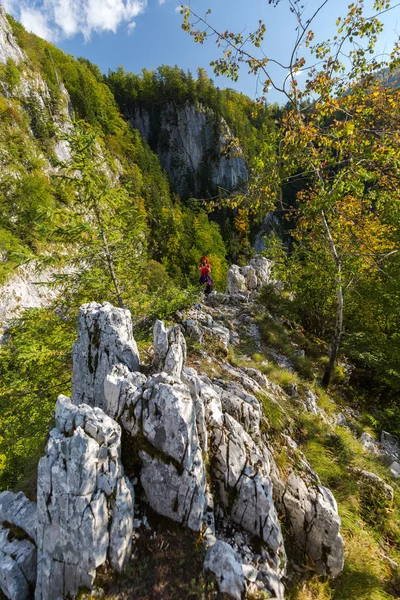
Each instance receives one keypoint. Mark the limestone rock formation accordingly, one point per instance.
(105, 339)
(17, 566)
(8, 45)
(18, 510)
(85, 503)
(248, 279)
(198, 454)
(18, 555)
(313, 522)
(185, 139)
(227, 568)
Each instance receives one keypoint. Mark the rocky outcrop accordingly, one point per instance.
(197, 150)
(249, 279)
(17, 566)
(85, 503)
(27, 288)
(197, 455)
(18, 556)
(18, 510)
(226, 565)
(313, 523)
(105, 339)
(9, 48)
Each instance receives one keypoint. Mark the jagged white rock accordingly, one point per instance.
(18, 510)
(175, 493)
(8, 45)
(250, 278)
(105, 339)
(314, 524)
(169, 422)
(85, 503)
(226, 565)
(17, 567)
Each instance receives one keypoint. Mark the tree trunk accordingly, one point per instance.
(109, 257)
(337, 335)
(339, 305)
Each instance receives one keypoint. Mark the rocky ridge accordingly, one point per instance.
(200, 457)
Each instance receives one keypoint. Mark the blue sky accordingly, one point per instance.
(146, 33)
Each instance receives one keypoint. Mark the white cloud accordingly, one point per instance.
(178, 8)
(34, 20)
(55, 19)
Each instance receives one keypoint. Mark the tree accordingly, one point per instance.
(331, 134)
(101, 225)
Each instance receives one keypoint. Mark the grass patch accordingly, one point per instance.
(280, 376)
(277, 417)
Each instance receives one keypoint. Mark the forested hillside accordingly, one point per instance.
(58, 116)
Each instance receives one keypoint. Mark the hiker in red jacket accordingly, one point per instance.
(205, 277)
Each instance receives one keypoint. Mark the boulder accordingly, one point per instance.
(175, 493)
(376, 496)
(390, 445)
(394, 469)
(310, 403)
(249, 279)
(85, 503)
(369, 443)
(236, 282)
(169, 349)
(17, 510)
(226, 566)
(262, 268)
(169, 422)
(17, 566)
(242, 472)
(341, 420)
(105, 339)
(313, 525)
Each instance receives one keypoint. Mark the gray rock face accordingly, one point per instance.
(18, 510)
(249, 279)
(245, 485)
(369, 443)
(8, 45)
(202, 328)
(105, 339)
(227, 568)
(314, 525)
(310, 403)
(186, 140)
(85, 503)
(390, 445)
(169, 422)
(176, 494)
(25, 289)
(17, 567)
(169, 349)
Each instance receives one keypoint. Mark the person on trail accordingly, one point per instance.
(205, 277)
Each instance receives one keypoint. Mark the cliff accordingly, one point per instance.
(195, 147)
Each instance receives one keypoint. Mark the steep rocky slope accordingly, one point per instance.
(197, 451)
(191, 438)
